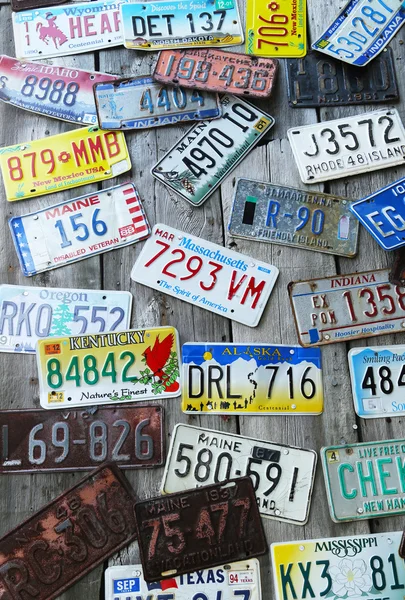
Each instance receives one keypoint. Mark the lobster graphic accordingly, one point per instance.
(51, 32)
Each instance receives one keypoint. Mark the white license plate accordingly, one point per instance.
(79, 228)
(207, 275)
(348, 146)
(282, 475)
(28, 314)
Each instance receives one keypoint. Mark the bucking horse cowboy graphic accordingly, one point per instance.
(51, 31)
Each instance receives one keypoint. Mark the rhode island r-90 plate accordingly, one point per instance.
(348, 146)
(207, 275)
(282, 475)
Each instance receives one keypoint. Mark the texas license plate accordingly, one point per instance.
(108, 368)
(347, 307)
(275, 469)
(217, 71)
(278, 214)
(65, 30)
(29, 313)
(141, 102)
(277, 28)
(317, 80)
(213, 525)
(63, 161)
(198, 163)
(361, 30)
(180, 24)
(365, 565)
(348, 146)
(207, 275)
(76, 229)
(41, 441)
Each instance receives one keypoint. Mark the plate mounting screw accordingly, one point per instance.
(302, 548)
(360, 511)
(327, 336)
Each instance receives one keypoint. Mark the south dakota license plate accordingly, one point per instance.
(76, 229)
(282, 476)
(225, 282)
(106, 368)
(251, 379)
(63, 161)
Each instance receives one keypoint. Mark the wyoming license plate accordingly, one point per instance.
(198, 162)
(251, 379)
(282, 475)
(204, 274)
(283, 215)
(348, 146)
(63, 161)
(107, 368)
(79, 228)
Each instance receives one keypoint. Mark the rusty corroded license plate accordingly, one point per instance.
(196, 529)
(72, 440)
(17, 5)
(67, 538)
(210, 69)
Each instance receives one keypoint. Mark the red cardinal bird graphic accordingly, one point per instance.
(157, 357)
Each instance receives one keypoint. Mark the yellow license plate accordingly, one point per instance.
(276, 29)
(63, 161)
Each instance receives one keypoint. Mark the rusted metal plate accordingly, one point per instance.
(17, 5)
(217, 71)
(196, 529)
(50, 551)
(41, 441)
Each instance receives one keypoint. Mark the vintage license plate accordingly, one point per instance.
(198, 163)
(347, 307)
(231, 582)
(141, 102)
(66, 30)
(275, 469)
(159, 25)
(29, 313)
(63, 161)
(276, 29)
(278, 214)
(214, 524)
(361, 30)
(59, 92)
(217, 71)
(251, 379)
(348, 146)
(41, 441)
(317, 80)
(76, 229)
(365, 565)
(106, 368)
(67, 538)
(207, 275)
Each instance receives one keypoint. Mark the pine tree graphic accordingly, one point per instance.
(61, 316)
